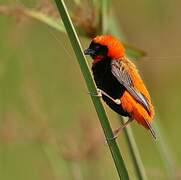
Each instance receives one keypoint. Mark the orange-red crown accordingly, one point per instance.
(115, 48)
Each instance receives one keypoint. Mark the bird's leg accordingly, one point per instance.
(101, 92)
(116, 131)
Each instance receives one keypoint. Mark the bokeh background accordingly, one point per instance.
(48, 126)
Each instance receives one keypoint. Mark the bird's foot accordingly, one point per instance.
(98, 94)
(101, 92)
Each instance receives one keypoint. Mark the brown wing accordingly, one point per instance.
(124, 78)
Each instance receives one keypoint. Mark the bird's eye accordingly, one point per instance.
(97, 47)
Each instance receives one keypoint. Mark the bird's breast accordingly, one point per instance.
(106, 81)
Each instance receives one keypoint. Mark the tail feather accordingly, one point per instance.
(152, 131)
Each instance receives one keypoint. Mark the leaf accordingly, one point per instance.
(19, 12)
(50, 21)
(131, 51)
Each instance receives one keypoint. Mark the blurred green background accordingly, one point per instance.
(48, 125)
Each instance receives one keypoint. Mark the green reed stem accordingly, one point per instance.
(118, 160)
(164, 151)
(134, 152)
(104, 15)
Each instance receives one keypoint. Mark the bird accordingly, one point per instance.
(119, 83)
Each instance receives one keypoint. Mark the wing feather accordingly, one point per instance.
(124, 78)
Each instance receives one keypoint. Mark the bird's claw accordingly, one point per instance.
(99, 93)
(110, 139)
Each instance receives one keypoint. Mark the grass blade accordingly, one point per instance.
(58, 25)
(19, 11)
(131, 51)
(134, 152)
(104, 15)
(119, 163)
(164, 152)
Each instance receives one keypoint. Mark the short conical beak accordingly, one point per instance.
(89, 51)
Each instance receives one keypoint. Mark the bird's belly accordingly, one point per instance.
(109, 84)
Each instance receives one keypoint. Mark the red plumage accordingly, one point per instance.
(116, 75)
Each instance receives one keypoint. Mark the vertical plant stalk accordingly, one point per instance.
(118, 160)
(164, 152)
(104, 14)
(134, 152)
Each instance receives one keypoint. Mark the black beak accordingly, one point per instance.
(89, 51)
